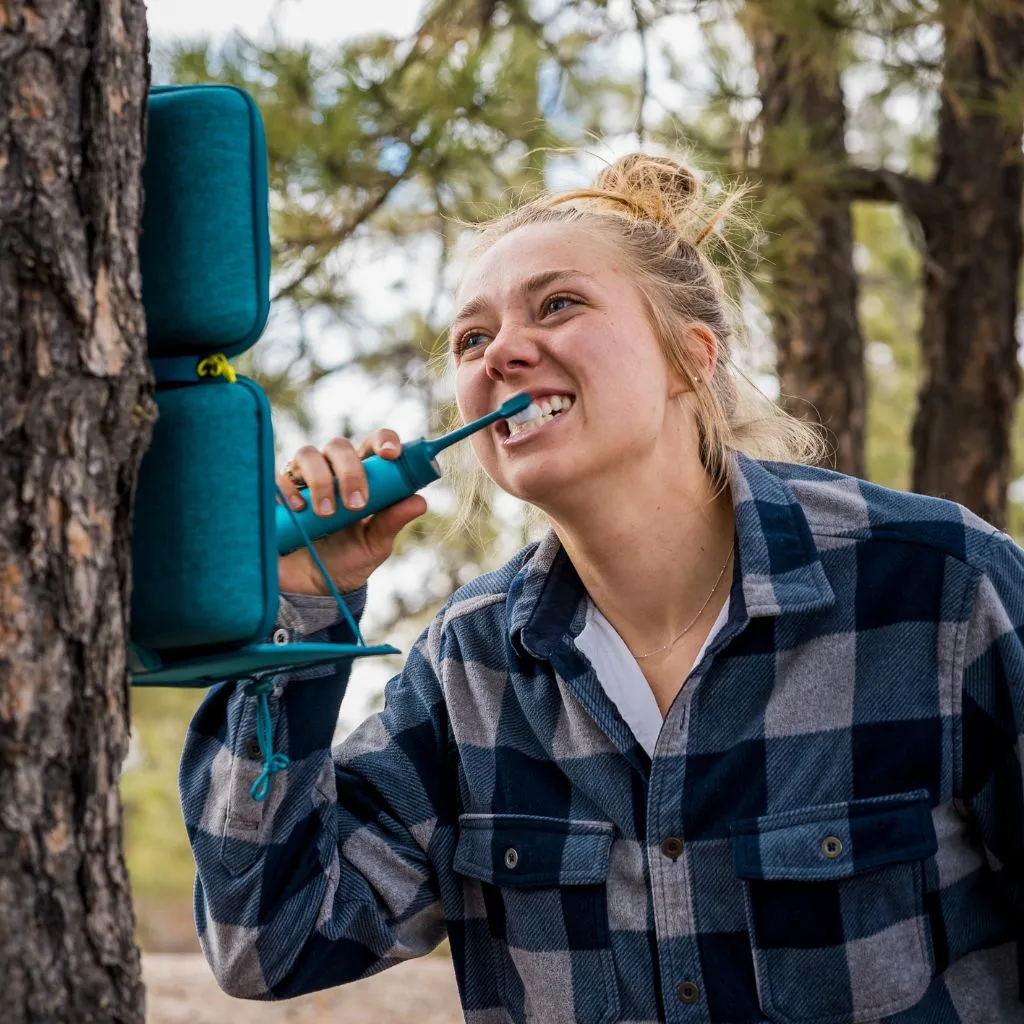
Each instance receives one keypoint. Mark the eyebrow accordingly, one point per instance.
(532, 284)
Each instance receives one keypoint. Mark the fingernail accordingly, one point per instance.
(326, 506)
(356, 500)
(296, 502)
(388, 446)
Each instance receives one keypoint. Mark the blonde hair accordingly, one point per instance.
(670, 231)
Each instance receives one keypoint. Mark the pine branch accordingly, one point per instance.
(347, 228)
(641, 31)
(875, 184)
(444, 258)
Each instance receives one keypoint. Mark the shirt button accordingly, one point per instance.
(672, 847)
(511, 858)
(280, 636)
(832, 847)
(687, 992)
(252, 749)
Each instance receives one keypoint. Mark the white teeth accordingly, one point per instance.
(538, 413)
(529, 413)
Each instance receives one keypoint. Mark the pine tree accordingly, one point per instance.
(75, 416)
(813, 290)
(967, 213)
(972, 227)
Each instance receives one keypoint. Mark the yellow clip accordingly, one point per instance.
(216, 366)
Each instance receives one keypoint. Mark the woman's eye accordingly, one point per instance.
(550, 305)
(468, 340)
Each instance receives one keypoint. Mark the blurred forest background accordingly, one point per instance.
(883, 141)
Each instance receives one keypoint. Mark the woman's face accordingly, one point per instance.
(551, 310)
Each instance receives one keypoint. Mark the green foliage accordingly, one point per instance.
(890, 317)
(156, 847)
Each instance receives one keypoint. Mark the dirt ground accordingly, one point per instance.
(181, 990)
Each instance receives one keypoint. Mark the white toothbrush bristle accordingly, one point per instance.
(541, 410)
(531, 412)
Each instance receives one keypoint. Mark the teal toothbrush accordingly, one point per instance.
(388, 480)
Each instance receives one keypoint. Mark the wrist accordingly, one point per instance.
(307, 584)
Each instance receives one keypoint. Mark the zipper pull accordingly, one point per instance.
(216, 366)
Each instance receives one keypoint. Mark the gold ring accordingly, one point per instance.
(292, 473)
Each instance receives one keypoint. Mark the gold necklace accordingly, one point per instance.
(689, 625)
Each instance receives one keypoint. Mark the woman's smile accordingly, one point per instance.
(551, 412)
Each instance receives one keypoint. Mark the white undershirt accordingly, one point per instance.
(620, 676)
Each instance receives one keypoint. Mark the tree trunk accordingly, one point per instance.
(971, 377)
(813, 299)
(75, 415)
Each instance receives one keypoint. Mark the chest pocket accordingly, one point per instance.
(835, 908)
(542, 885)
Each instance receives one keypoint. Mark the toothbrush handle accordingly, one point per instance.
(388, 481)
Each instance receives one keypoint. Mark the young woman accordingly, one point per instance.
(737, 741)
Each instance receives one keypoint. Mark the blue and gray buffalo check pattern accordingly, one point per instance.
(831, 828)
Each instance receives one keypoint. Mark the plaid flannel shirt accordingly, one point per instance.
(831, 828)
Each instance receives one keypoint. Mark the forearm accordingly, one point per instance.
(321, 855)
(230, 831)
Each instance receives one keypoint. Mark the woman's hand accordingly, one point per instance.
(349, 555)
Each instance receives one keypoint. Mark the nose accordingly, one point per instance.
(509, 351)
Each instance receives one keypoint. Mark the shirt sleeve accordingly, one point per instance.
(331, 877)
(306, 614)
(992, 718)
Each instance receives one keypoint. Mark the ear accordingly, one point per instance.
(702, 348)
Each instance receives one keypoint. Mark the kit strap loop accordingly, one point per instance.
(216, 365)
(272, 763)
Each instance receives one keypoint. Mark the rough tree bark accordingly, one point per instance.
(813, 299)
(75, 415)
(971, 376)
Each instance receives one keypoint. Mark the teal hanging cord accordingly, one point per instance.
(272, 763)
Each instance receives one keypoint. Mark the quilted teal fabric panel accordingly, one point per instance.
(205, 247)
(205, 564)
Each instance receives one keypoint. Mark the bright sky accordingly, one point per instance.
(323, 21)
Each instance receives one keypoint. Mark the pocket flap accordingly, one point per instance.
(832, 841)
(524, 850)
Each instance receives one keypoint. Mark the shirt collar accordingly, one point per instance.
(778, 568)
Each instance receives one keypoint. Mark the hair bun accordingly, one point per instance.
(657, 187)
